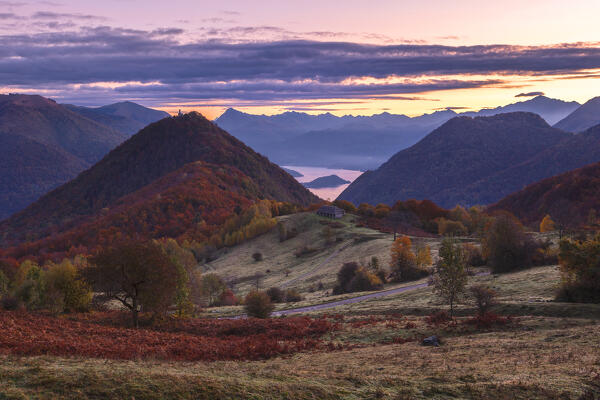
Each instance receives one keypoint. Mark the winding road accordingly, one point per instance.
(352, 300)
(358, 299)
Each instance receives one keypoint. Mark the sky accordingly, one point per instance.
(351, 57)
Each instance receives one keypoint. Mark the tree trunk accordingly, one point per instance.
(134, 313)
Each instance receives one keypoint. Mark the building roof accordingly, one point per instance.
(330, 209)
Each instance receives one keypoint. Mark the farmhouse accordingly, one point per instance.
(330, 212)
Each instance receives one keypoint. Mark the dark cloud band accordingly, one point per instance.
(280, 70)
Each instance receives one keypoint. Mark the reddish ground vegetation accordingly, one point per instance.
(410, 325)
(402, 340)
(183, 340)
(390, 321)
(438, 318)
(487, 320)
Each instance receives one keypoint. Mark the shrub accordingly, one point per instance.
(473, 255)
(366, 210)
(257, 256)
(292, 296)
(258, 305)
(65, 290)
(276, 295)
(4, 283)
(345, 275)
(374, 267)
(484, 298)
(507, 246)
(228, 298)
(488, 320)
(363, 281)
(29, 285)
(346, 206)
(580, 271)
(438, 318)
(451, 228)
(382, 210)
(10, 303)
(354, 278)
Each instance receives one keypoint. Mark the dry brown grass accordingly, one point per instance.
(540, 358)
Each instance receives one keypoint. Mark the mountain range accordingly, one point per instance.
(126, 117)
(477, 160)
(44, 144)
(356, 142)
(175, 172)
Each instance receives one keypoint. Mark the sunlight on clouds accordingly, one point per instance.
(113, 85)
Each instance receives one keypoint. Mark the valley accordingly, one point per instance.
(299, 200)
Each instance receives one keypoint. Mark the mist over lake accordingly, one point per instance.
(311, 173)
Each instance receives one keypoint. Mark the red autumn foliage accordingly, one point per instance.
(568, 198)
(191, 203)
(488, 320)
(410, 325)
(182, 340)
(438, 318)
(402, 340)
(367, 321)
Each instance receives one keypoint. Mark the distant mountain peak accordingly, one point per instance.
(584, 117)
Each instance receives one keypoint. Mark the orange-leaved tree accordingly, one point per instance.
(547, 224)
(404, 262)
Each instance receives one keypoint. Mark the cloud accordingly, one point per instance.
(280, 71)
(55, 15)
(452, 108)
(12, 4)
(530, 94)
(167, 31)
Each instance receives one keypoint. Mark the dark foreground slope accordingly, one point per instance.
(445, 165)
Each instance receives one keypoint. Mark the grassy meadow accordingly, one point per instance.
(540, 348)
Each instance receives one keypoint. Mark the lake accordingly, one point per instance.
(312, 173)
